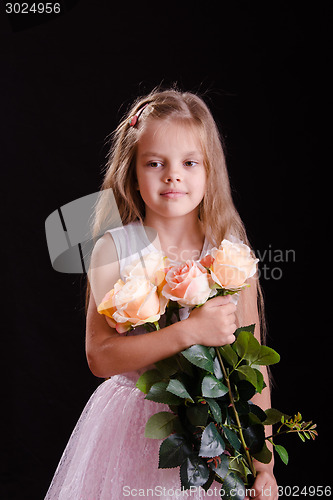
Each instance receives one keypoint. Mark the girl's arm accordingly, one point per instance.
(109, 353)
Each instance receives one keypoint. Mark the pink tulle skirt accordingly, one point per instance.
(107, 456)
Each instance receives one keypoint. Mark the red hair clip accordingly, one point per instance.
(133, 121)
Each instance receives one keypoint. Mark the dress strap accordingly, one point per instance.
(131, 243)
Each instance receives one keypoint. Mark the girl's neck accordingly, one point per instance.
(180, 238)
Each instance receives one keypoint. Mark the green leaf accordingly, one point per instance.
(178, 388)
(254, 436)
(197, 414)
(212, 443)
(215, 410)
(167, 367)
(246, 391)
(200, 356)
(233, 487)
(248, 373)
(242, 407)
(217, 369)
(160, 425)
(184, 365)
(232, 438)
(173, 451)
(221, 469)
(253, 376)
(158, 393)
(249, 328)
(264, 455)
(229, 355)
(193, 472)
(147, 379)
(212, 388)
(282, 452)
(267, 356)
(236, 466)
(253, 348)
(256, 410)
(247, 347)
(274, 416)
(241, 343)
(260, 380)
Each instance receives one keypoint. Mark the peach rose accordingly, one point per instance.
(233, 264)
(107, 306)
(188, 284)
(207, 261)
(134, 303)
(151, 266)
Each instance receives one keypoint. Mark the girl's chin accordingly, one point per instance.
(171, 213)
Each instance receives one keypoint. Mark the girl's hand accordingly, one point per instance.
(264, 487)
(213, 324)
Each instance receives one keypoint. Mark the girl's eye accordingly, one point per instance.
(154, 164)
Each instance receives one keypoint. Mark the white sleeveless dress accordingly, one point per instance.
(107, 456)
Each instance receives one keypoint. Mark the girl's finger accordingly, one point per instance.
(219, 301)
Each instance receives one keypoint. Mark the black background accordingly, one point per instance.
(66, 80)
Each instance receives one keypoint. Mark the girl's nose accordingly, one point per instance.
(173, 174)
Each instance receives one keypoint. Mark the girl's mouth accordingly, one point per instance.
(173, 194)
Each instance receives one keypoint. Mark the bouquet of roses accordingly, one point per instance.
(213, 431)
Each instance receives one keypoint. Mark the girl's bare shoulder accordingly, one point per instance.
(104, 269)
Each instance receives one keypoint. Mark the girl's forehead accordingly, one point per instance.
(169, 133)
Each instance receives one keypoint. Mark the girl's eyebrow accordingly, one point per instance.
(152, 153)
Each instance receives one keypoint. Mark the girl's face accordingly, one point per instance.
(170, 169)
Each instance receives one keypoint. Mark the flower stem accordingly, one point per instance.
(248, 456)
(280, 433)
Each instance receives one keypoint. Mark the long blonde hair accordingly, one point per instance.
(120, 172)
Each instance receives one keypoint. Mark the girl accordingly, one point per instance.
(169, 180)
